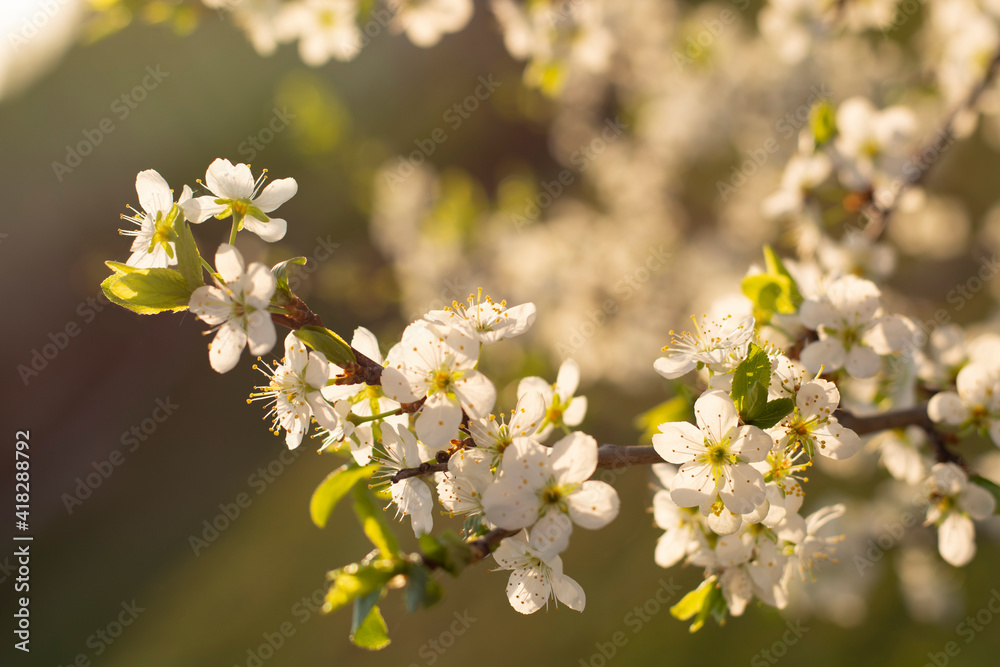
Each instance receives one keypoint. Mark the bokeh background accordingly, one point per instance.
(450, 228)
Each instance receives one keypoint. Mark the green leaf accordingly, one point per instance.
(333, 488)
(373, 522)
(354, 581)
(773, 412)
(773, 291)
(373, 633)
(448, 550)
(823, 121)
(146, 291)
(697, 604)
(990, 486)
(421, 589)
(776, 267)
(363, 606)
(769, 294)
(280, 272)
(326, 342)
(188, 257)
(751, 380)
(676, 409)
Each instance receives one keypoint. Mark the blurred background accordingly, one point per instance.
(120, 498)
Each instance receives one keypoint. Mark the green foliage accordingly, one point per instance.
(358, 580)
(773, 291)
(751, 380)
(421, 589)
(448, 550)
(147, 291)
(370, 631)
(333, 488)
(280, 273)
(677, 409)
(327, 343)
(702, 602)
(823, 122)
(188, 258)
(373, 523)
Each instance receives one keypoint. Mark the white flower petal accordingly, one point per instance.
(227, 181)
(957, 539)
(275, 194)
(574, 458)
(225, 349)
(229, 263)
(678, 442)
(594, 505)
(154, 193)
(271, 230)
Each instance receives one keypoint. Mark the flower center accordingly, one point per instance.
(443, 381)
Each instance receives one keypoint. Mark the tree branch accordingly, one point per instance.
(878, 213)
(618, 456)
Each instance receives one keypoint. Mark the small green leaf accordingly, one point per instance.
(280, 272)
(776, 267)
(328, 343)
(448, 550)
(188, 257)
(697, 604)
(676, 409)
(769, 294)
(421, 589)
(146, 291)
(990, 486)
(373, 633)
(363, 606)
(354, 581)
(823, 121)
(333, 488)
(751, 380)
(373, 522)
(773, 412)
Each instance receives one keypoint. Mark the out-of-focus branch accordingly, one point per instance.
(878, 213)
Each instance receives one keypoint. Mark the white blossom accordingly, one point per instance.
(235, 193)
(537, 575)
(236, 306)
(294, 392)
(714, 456)
(954, 503)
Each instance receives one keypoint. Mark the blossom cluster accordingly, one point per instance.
(777, 369)
(733, 487)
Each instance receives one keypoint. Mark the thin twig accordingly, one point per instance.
(878, 213)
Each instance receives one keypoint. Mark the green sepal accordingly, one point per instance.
(373, 523)
(333, 488)
(146, 291)
(329, 344)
